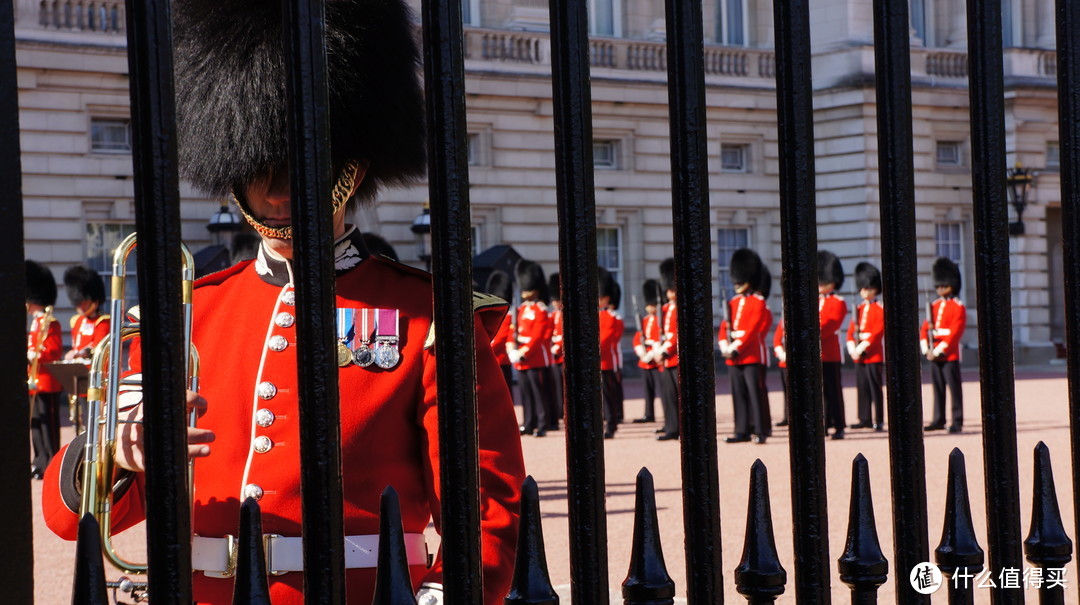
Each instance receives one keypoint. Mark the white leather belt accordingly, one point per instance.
(216, 557)
(942, 331)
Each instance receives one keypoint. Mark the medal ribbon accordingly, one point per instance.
(386, 327)
(364, 324)
(346, 327)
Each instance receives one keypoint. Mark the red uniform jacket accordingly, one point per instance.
(831, 312)
(868, 334)
(670, 347)
(498, 343)
(558, 352)
(779, 345)
(243, 327)
(611, 330)
(648, 338)
(87, 332)
(751, 321)
(534, 330)
(950, 318)
(52, 349)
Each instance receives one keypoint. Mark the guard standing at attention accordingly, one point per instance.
(611, 329)
(43, 344)
(530, 349)
(780, 350)
(500, 285)
(742, 345)
(831, 312)
(646, 347)
(669, 354)
(864, 343)
(85, 290)
(558, 352)
(940, 341)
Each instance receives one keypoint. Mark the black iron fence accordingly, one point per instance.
(759, 577)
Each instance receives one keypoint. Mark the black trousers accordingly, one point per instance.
(833, 395)
(751, 399)
(652, 389)
(556, 411)
(610, 389)
(783, 381)
(535, 389)
(868, 382)
(45, 427)
(669, 399)
(947, 373)
(620, 397)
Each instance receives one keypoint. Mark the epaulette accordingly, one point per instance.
(487, 307)
(101, 318)
(74, 318)
(217, 277)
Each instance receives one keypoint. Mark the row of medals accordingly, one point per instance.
(384, 354)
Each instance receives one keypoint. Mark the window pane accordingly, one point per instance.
(918, 19)
(948, 241)
(1053, 155)
(605, 155)
(110, 135)
(948, 153)
(609, 254)
(603, 17)
(733, 158)
(728, 241)
(101, 240)
(735, 28)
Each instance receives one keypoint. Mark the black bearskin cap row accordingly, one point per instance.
(555, 286)
(650, 292)
(830, 271)
(764, 287)
(231, 102)
(83, 283)
(745, 268)
(40, 285)
(667, 274)
(530, 276)
(499, 284)
(606, 283)
(946, 273)
(867, 276)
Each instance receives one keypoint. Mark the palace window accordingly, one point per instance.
(734, 157)
(110, 135)
(728, 240)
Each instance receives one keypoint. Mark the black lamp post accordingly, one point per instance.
(421, 228)
(1020, 180)
(223, 224)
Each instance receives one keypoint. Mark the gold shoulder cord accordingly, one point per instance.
(340, 195)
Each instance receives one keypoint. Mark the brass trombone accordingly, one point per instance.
(102, 408)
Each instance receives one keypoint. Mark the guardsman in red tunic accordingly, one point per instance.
(85, 290)
(611, 329)
(558, 351)
(500, 285)
(780, 350)
(669, 354)
(831, 312)
(43, 344)
(530, 349)
(742, 345)
(864, 343)
(940, 340)
(646, 347)
(230, 77)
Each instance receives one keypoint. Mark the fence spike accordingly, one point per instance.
(393, 585)
(647, 581)
(959, 549)
(863, 566)
(1047, 544)
(531, 585)
(759, 577)
(89, 586)
(252, 585)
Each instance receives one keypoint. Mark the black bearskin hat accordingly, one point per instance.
(764, 285)
(829, 269)
(867, 276)
(606, 283)
(745, 267)
(667, 274)
(230, 91)
(554, 286)
(650, 292)
(40, 285)
(499, 284)
(376, 244)
(530, 276)
(616, 294)
(946, 273)
(83, 283)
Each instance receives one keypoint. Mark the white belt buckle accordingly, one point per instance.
(230, 560)
(268, 552)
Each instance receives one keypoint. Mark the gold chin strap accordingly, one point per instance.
(340, 195)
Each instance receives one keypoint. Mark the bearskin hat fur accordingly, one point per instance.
(764, 285)
(946, 273)
(650, 292)
(530, 276)
(606, 282)
(829, 269)
(616, 294)
(499, 284)
(83, 283)
(555, 286)
(40, 285)
(867, 276)
(230, 91)
(667, 274)
(745, 267)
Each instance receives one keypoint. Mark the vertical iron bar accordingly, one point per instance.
(304, 34)
(798, 243)
(899, 256)
(532, 584)
(693, 282)
(17, 530)
(577, 268)
(1068, 64)
(993, 291)
(958, 555)
(448, 190)
(1047, 546)
(759, 577)
(157, 221)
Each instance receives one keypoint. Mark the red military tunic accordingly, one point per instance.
(52, 349)
(558, 351)
(950, 319)
(866, 336)
(646, 340)
(831, 312)
(670, 346)
(751, 320)
(534, 330)
(87, 332)
(498, 343)
(611, 330)
(779, 347)
(244, 329)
